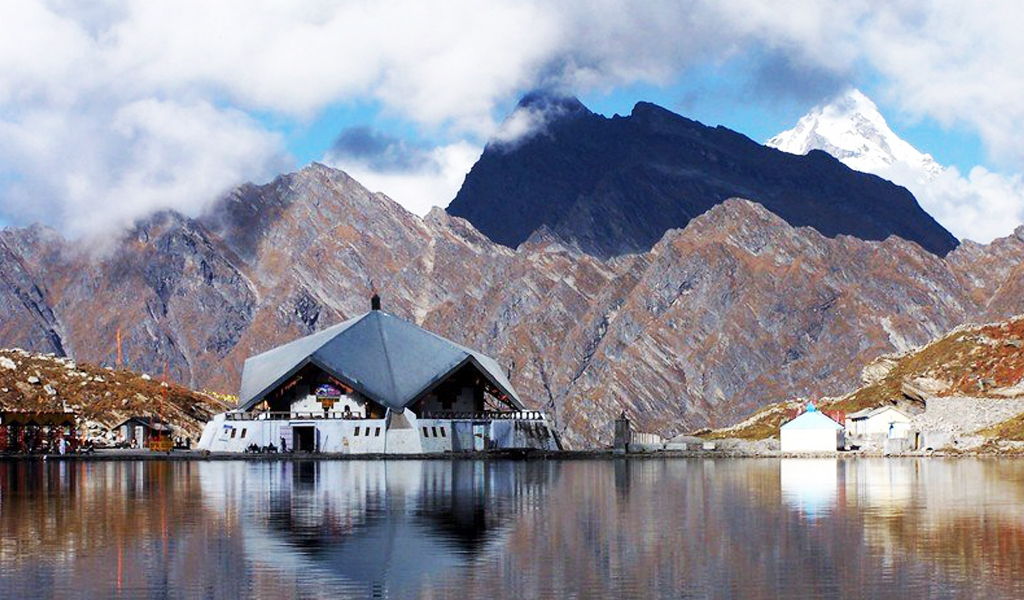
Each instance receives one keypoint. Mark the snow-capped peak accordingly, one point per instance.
(981, 204)
(851, 128)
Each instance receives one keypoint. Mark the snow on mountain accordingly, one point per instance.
(981, 205)
(614, 186)
(852, 129)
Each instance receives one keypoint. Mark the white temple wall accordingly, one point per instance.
(307, 404)
(335, 436)
(310, 404)
(522, 434)
(403, 441)
(435, 435)
(370, 436)
(354, 404)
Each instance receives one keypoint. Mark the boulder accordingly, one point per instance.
(922, 388)
(878, 369)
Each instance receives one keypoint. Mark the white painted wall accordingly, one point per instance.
(435, 434)
(810, 440)
(355, 405)
(310, 404)
(879, 423)
(337, 436)
(370, 436)
(307, 404)
(522, 434)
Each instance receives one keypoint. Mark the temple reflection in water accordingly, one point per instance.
(507, 529)
(387, 524)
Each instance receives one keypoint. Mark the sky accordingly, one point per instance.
(111, 110)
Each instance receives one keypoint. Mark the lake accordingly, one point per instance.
(636, 528)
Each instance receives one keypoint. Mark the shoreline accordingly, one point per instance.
(195, 455)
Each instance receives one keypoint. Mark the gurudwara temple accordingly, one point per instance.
(376, 384)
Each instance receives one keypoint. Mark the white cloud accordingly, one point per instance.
(960, 63)
(981, 206)
(530, 119)
(523, 123)
(433, 180)
(76, 79)
(88, 171)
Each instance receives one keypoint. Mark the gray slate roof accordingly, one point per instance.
(383, 357)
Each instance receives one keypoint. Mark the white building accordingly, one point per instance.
(881, 422)
(376, 384)
(811, 432)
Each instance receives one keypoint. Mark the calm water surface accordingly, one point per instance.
(673, 528)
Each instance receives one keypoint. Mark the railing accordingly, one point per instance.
(523, 415)
(646, 438)
(288, 415)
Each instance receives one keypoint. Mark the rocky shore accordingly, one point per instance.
(739, 450)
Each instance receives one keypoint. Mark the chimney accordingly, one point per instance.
(375, 302)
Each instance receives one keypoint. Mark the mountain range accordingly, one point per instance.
(612, 186)
(736, 309)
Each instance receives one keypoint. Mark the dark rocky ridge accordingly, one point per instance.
(612, 186)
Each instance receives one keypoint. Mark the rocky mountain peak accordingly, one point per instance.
(158, 224)
(738, 213)
(552, 101)
(851, 128)
(615, 186)
(656, 119)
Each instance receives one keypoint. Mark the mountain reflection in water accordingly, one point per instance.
(809, 528)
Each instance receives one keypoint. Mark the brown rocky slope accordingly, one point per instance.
(102, 398)
(735, 311)
(971, 381)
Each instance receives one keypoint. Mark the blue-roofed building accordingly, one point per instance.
(376, 384)
(811, 431)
